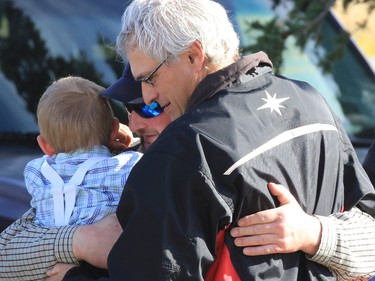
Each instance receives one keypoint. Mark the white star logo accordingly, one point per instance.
(273, 103)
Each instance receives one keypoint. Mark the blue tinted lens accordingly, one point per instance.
(151, 110)
(146, 110)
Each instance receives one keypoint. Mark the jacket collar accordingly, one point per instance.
(220, 79)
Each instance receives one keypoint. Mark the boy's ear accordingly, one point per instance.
(45, 146)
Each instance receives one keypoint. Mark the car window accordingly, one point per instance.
(43, 40)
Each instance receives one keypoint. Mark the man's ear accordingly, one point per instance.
(45, 146)
(196, 54)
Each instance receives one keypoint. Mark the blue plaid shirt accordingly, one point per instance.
(96, 197)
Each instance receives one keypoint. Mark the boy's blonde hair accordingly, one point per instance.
(72, 115)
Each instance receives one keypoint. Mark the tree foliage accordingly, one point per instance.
(27, 62)
(303, 21)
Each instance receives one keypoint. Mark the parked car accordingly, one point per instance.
(43, 40)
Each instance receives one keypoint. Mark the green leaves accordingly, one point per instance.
(304, 20)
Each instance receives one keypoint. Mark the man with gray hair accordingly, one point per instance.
(195, 182)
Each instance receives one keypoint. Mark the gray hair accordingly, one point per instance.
(164, 29)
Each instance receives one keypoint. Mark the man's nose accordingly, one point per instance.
(149, 93)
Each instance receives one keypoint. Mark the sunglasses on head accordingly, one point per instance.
(145, 110)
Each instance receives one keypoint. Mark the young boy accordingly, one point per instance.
(78, 181)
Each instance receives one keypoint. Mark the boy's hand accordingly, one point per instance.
(58, 272)
(123, 139)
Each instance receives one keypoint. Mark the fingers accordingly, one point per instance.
(58, 272)
(125, 138)
(262, 250)
(255, 240)
(268, 231)
(125, 135)
(282, 193)
(261, 244)
(252, 225)
(117, 145)
(121, 137)
(284, 229)
(58, 267)
(269, 216)
(276, 230)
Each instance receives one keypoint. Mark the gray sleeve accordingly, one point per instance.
(27, 250)
(348, 245)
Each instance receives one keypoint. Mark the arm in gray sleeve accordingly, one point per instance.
(348, 244)
(27, 250)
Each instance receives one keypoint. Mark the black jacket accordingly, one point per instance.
(369, 163)
(244, 127)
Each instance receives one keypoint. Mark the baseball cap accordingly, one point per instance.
(125, 89)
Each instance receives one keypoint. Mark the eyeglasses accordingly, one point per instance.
(147, 79)
(145, 110)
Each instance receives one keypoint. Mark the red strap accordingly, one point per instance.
(222, 268)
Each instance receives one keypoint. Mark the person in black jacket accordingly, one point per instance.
(286, 232)
(200, 179)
